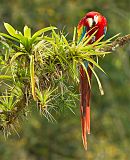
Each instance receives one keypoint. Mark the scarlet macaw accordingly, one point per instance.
(87, 26)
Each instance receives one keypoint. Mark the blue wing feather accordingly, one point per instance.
(105, 30)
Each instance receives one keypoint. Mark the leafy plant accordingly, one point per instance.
(43, 69)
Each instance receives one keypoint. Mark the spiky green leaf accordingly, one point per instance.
(32, 76)
(27, 32)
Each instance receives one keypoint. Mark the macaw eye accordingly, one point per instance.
(96, 19)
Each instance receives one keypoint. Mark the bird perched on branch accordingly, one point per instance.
(90, 23)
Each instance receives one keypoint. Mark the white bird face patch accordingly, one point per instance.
(96, 19)
(90, 22)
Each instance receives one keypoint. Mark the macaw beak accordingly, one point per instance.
(90, 22)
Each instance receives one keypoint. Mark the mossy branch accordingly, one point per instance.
(117, 43)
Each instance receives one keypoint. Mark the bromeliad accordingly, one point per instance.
(92, 22)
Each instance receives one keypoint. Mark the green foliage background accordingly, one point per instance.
(110, 133)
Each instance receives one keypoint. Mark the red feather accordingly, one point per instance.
(85, 91)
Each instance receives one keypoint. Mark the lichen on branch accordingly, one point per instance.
(117, 43)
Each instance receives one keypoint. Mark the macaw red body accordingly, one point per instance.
(93, 21)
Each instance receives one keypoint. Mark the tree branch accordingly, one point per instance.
(119, 42)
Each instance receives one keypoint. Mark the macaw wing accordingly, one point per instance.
(81, 32)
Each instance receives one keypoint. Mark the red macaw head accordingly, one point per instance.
(92, 21)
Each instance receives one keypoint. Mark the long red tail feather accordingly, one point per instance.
(85, 91)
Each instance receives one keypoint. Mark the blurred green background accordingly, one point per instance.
(110, 116)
